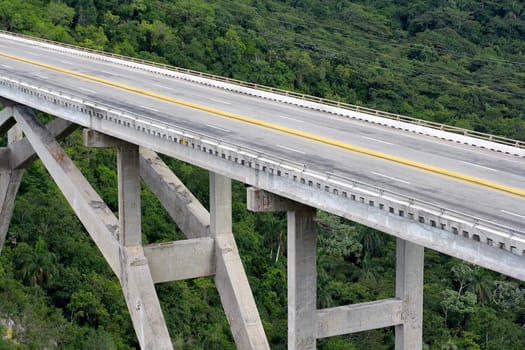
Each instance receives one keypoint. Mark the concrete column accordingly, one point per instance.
(302, 279)
(302, 269)
(230, 277)
(10, 180)
(409, 289)
(129, 194)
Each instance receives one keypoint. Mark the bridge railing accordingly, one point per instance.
(92, 113)
(347, 106)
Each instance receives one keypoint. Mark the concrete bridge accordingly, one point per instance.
(455, 191)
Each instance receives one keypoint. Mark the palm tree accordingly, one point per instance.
(36, 265)
(482, 284)
(371, 240)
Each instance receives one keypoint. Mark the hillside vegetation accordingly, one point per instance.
(460, 62)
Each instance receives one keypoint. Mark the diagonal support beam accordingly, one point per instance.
(19, 154)
(187, 212)
(6, 118)
(141, 298)
(10, 180)
(94, 214)
(128, 262)
(230, 277)
(195, 221)
(136, 280)
(22, 153)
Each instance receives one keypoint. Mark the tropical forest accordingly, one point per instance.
(456, 62)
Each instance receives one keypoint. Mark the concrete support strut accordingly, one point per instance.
(302, 278)
(409, 289)
(136, 279)
(187, 212)
(302, 269)
(211, 249)
(10, 178)
(230, 278)
(305, 323)
(359, 317)
(15, 158)
(127, 261)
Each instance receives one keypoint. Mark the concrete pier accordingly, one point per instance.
(302, 269)
(230, 278)
(302, 278)
(409, 289)
(306, 324)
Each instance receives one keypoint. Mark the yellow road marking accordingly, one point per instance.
(290, 131)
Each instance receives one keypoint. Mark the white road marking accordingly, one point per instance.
(513, 214)
(64, 61)
(290, 149)
(478, 166)
(41, 76)
(219, 101)
(218, 128)
(289, 118)
(390, 177)
(151, 109)
(7, 66)
(86, 90)
(377, 140)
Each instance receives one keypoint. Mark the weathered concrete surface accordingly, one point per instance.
(22, 151)
(409, 289)
(15, 158)
(359, 317)
(128, 263)
(6, 116)
(230, 277)
(141, 298)
(302, 278)
(129, 194)
(95, 139)
(187, 212)
(10, 178)
(302, 269)
(180, 260)
(94, 214)
(258, 200)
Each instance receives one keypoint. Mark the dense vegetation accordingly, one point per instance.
(460, 62)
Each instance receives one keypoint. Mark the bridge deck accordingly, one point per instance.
(103, 82)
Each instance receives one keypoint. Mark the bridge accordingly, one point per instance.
(456, 191)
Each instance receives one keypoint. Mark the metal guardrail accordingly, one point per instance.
(351, 107)
(395, 203)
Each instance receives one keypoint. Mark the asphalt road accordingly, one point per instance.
(490, 204)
